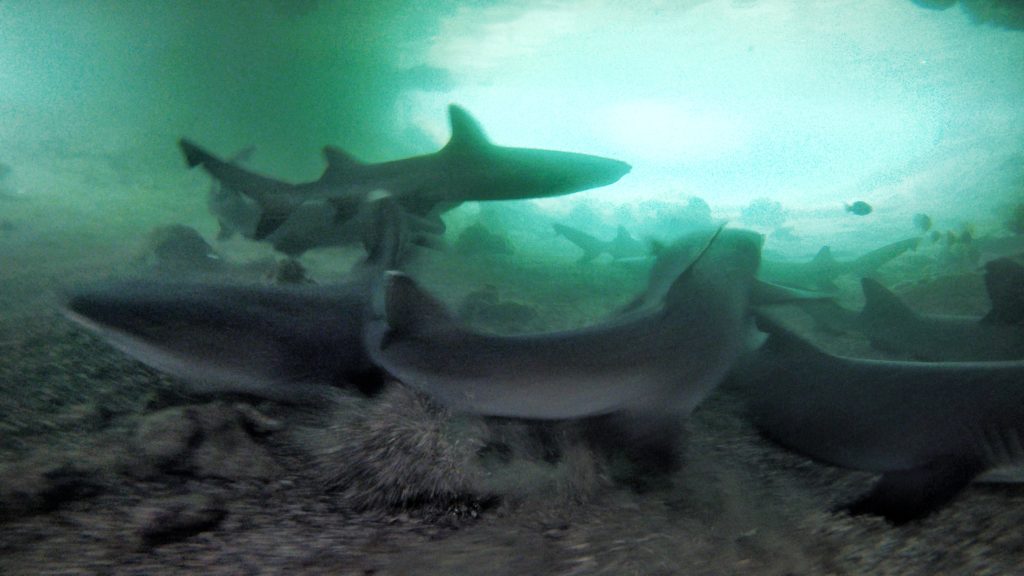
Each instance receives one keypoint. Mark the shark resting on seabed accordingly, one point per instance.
(296, 217)
(650, 366)
(300, 343)
(820, 273)
(295, 344)
(928, 428)
(892, 326)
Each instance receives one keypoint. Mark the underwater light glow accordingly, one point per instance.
(664, 132)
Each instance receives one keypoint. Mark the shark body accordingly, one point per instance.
(658, 361)
(469, 167)
(297, 343)
(892, 326)
(820, 273)
(284, 343)
(928, 428)
(621, 247)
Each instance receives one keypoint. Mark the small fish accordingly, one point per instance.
(923, 222)
(860, 208)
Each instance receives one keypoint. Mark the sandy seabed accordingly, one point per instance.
(106, 469)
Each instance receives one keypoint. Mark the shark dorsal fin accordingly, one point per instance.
(1004, 280)
(679, 284)
(881, 304)
(339, 163)
(410, 310)
(824, 257)
(623, 235)
(782, 340)
(467, 134)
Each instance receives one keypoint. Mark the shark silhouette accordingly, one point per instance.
(469, 167)
(928, 428)
(656, 363)
(820, 273)
(288, 343)
(620, 247)
(892, 326)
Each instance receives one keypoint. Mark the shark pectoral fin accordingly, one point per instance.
(644, 448)
(275, 210)
(224, 231)
(268, 223)
(344, 209)
(410, 310)
(1004, 279)
(905, 495)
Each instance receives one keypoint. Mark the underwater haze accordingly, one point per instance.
(812, 105)
(876, 146)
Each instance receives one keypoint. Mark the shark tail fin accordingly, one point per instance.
(868, 263)
(1004, 280)
(880, 304)
(410, 311)
(591, 246)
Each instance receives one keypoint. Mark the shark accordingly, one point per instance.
(312, 224)
(670, 258)
(468, 168)
(893, 327)
(297, 344)
(623, 246)
(820, 273)
(650, 367)
(929, 429)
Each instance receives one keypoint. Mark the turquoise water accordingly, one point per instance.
(775, 115)
(812, 105)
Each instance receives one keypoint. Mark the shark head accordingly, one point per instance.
(505, 173)
(285, 344)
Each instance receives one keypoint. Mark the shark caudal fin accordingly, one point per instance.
(591, 246)
(1004, 280)
(881, 305)
(868, 263)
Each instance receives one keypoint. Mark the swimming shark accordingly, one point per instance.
(469, 167)
(620, 247)
(821, 272)
(653, 365)
(312, 224)
(235, 213)
(928, 428)
(893, 327)
(671, 258)
(297, 344)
